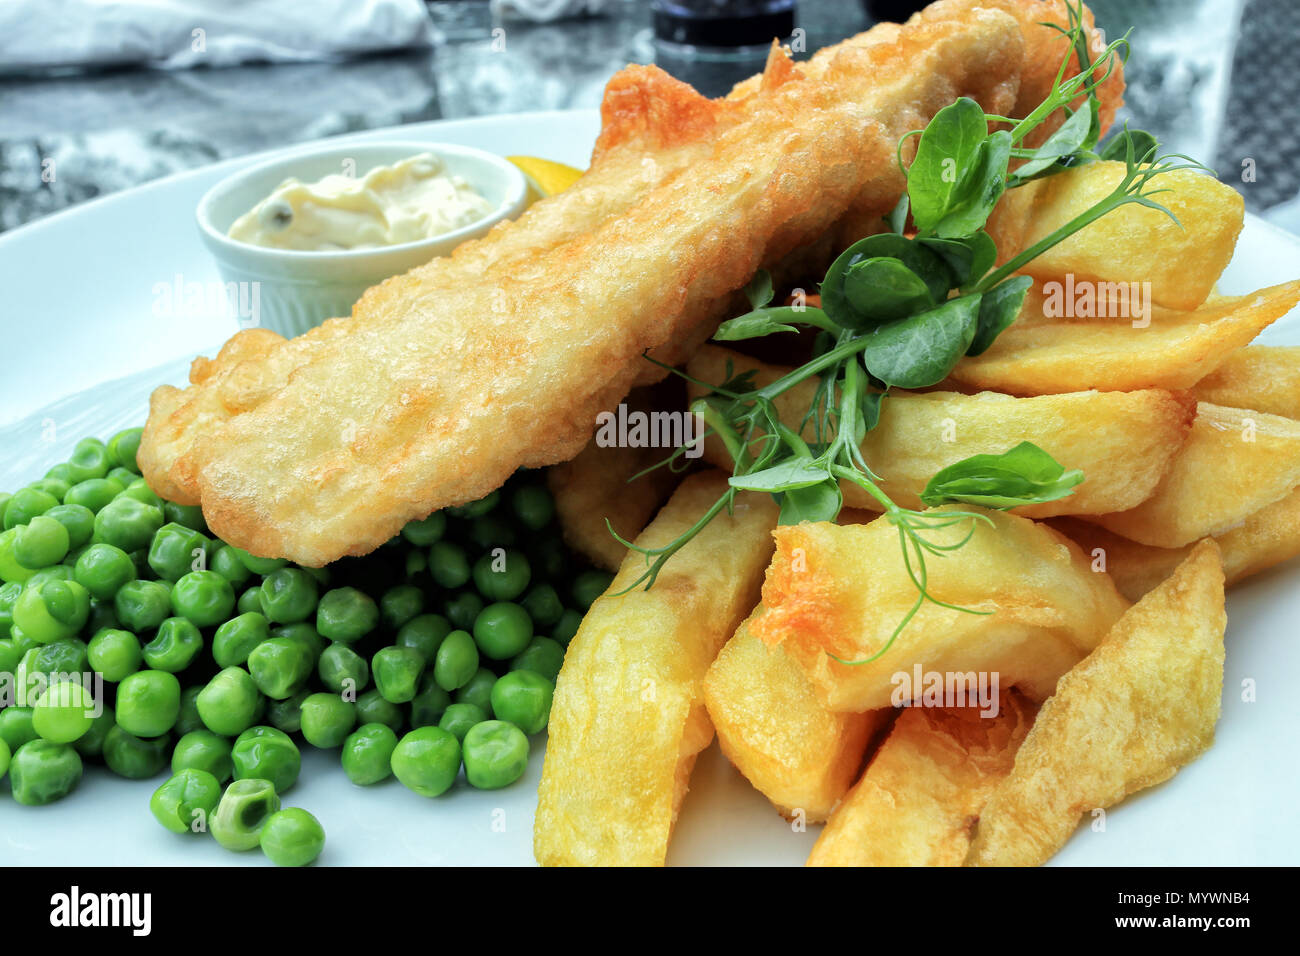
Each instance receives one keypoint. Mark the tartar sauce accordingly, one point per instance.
(410, 200)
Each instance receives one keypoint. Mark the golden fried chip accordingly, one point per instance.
(628, 717)
(1263, 377)
(1235, 462)
(1043, 355)
(1181, 260)
(1124, 442)
(1140, 706)
(918, 801)
(1267, 538)
(843, 590)
(777, 732)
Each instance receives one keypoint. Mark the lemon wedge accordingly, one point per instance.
(545, 176)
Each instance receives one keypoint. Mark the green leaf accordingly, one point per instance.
(948, 149)
(1064, 142)
(920, 260)
(760, 322)
(759, 291)
(819, 502)
(869, 408)
(979, 190)
(968, 258)
(883, 289)
(922, 349)
(790, 474)
(1139, 141)
(1022, 475)
(897, 218)
(999, 307)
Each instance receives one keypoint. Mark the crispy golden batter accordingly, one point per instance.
(918, 801)
(1123, 441)
(443, 384)
(628, 718)
(1263, 377)
(777, 732)
(1235, 462)
(842, 590)
(1140, 706)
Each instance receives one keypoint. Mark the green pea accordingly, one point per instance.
(43, 664)
(91, 744)
(400, 605)
(229, 704)
(186, 802)
(143, 605)
(127, 523)
(292, 837)
(59, 572)
(478, 691)
(176, 550)
(134, 758)
(396, 671)
(189, 720)
(368, 752)
(9, 594)
(64, 712)
(426, 531)
(57, 487)
(456, 662)
(123, 476)
(174, 647)
(462, 609)
(223, 560)
(502, 630)
(533, 506)
(89, 459)
(102, 569)
(189, 516)
(77, 520)
(259, 565)
(492, 531)
(148, 703)
(41, 542)
(204, 597)
(590, 585)
(25, 505)
(114, 654)
(502, 575)
(566, 627)
(5, 756)
(549, 557)
(543, 605)
(280, 666)
(416, 564)
(16, 727)
(474, 509)
(286, 715)
(341, 669)
(427, 761)
(94, 494)
(250, 601)
(346, 614)
(372, 708)
(524, 699)
(206, 751)
(242, 813)
(448, 564)
(61, 471)
(327, 720)
(424, 634)
(103, 617)
(123, 447)
(496, 754)
(428, 706)
(52, 610)
(11, 572)
(457, 719)
(320, 575)
(41, 772)
(542, 656)
(266, 753)
(236, 638)
(10, 656)
(288, 596)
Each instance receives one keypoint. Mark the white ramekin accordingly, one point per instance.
(298, 290)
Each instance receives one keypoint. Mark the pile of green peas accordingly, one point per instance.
(130, 636)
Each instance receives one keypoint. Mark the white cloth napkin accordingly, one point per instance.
(177, 34)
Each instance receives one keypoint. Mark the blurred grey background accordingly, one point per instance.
(1212, 78)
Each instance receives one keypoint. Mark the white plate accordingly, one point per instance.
(79, 310)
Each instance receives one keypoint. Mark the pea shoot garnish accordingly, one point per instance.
(899, 309)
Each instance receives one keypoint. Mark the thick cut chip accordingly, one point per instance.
(844, 590)
(1044, 355)
(1235, 462)
(628, 717)
(773, 726)
(1267, 538)
(1140, 706)
(1180, 259)
(1263, 377)
(1124, 442)
(918, 801)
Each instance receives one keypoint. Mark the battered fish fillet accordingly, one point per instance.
(448, 378)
